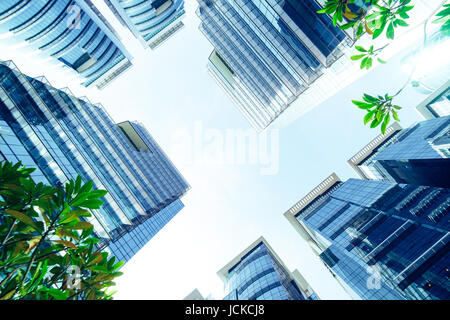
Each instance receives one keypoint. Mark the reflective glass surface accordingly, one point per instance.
(64, 136)
(260, 276)
(274, 49)
(386, 240)
(417, 155)
(72, 32)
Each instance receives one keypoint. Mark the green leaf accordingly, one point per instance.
(363, 105)
(87, 187)
(91, 204)
(118, 265)
(61, 232)
(81, 212)
(369, 63)
(380, 114)
(8, 295)
(91, 241)
(377, 32)
(347, 25)
(67, 244)
(360, 30)
(401, 23)
(22, 217)
(100, 269)
(97, 194)
(77, 184)
(369, 116)
(80, 226)
(97, 258)
(369, 98)
(390, 31)
(395, 115)
(375, 122)
(69, 217)
(385, 123)
(57, 294)
(86, 232)
(363, 62)
(357, 57)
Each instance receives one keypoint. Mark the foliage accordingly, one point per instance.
(379, 110)
(366, 56)
(45, 240)
(444, 18)
(376, 18)
(379, 16)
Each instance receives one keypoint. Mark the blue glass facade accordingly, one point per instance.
(64, 136)
(270, 51)
(152, 22)
(417, 155)
(73, 32)
(260, 275)
(437, 104)
(125, 247)
(382, 240)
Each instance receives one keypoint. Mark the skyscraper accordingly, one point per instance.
(63, 136)
(72, 33)
(381, 240)
(277, 59)
(258, 273)
(266, 53)
(417, 155)
(151, 22)
(436, 104)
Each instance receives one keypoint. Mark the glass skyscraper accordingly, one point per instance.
(278, 59)
(151, 22)
(72, 32)
(381, 240)
(259, 274)
(437, 104)
(63, 136)
(268, 52)
(417, 155)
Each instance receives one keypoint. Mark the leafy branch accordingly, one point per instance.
(44, 234)
(379, 110)
(375, 18)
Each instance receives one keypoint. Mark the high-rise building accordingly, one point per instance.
(268, 52)
(436, 104)
(73, 34)
(258, 273)
(277, 59)
(151, 22)
(362, 162)
(64, 137)
(417, 155)
(381, 240)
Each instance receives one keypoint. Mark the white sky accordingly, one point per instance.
(229, 206)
